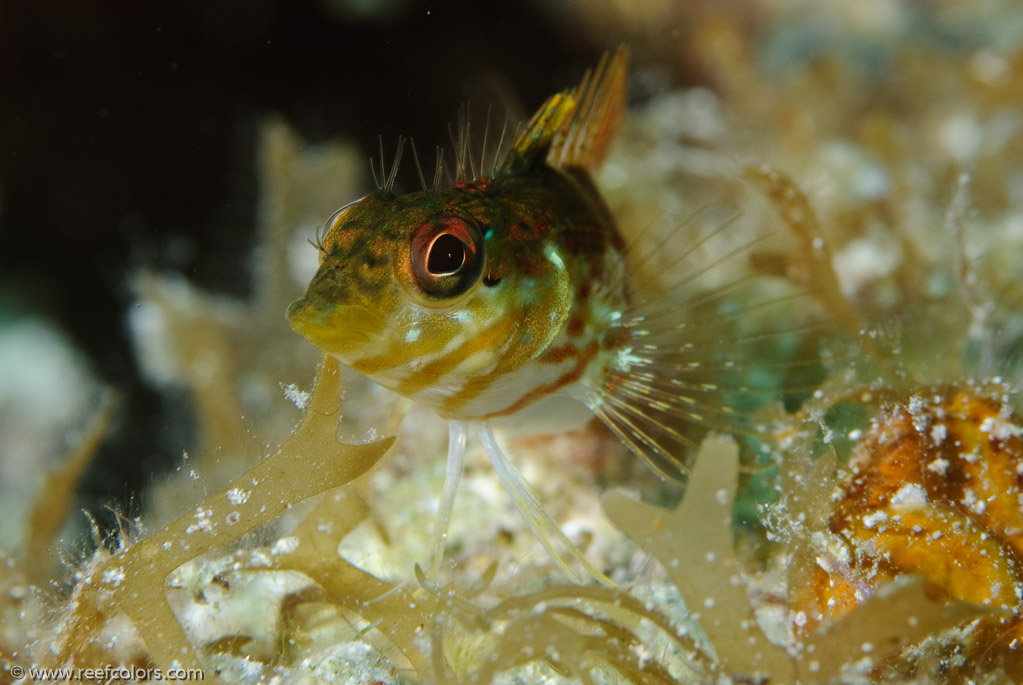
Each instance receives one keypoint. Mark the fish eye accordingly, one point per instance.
(446, 256)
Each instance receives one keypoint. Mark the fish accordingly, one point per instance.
(506, 297)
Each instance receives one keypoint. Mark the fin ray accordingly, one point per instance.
(574, 129)
(457, 432)
(708, 354)
(600, 98)
(528, 503)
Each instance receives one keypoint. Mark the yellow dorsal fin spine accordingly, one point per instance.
(575, 128)
(585, 139)
(539, 134)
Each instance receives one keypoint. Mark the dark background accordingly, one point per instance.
(128, 135)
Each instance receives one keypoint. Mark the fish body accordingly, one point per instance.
(527, 277)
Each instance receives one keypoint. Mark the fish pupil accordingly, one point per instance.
(447, 255)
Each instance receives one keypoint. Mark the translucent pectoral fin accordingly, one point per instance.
(539, 521)
(721, 348)
(679, 382)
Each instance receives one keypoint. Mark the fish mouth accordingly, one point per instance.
(336, 329)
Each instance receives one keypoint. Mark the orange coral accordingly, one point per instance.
(935, 491)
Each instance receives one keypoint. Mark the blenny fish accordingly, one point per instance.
(505, 296)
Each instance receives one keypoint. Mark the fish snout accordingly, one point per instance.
(336, 329)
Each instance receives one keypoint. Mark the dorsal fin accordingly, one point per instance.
(600, 103)
(575, 128)
(537, 138)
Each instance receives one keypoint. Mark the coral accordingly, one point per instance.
(934, 491)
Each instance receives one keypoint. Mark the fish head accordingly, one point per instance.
(430, 292)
